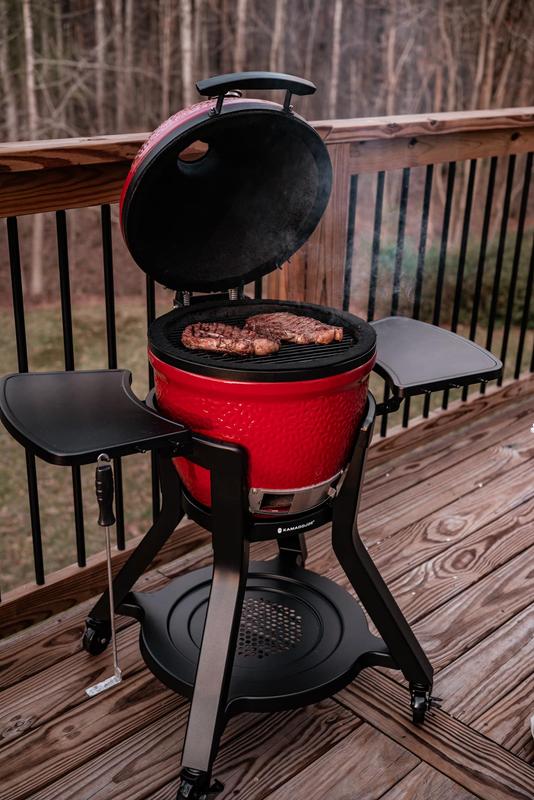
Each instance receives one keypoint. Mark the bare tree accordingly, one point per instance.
(100, 48)
(336, 57)
(165, 26)
(240, 35)
(276, 55)
(186, 50)
(36, 283)
(9, 104)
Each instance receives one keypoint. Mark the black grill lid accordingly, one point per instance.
(241, 209)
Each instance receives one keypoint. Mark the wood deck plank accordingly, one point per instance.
(419, 541)
(452, 571)
(477, 629)
(439, 491)
(81, 734)
(460, 624)
(483, 676)
(426, 783)
(440, 454)
(379, 764)
(147, 763)
(466, 756)
(508, 721)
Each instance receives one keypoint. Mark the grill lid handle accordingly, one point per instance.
(219, 85)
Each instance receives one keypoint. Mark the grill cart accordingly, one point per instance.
(250, 447)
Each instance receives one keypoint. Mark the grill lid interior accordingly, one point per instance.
(238, 211)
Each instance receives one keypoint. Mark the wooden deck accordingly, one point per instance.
(448, 514)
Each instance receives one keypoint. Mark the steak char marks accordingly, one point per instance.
(293, 328)
(228, 339)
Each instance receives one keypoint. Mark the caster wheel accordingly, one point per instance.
(421, 702)
(96, 637)
(419, 709)
(188, 791)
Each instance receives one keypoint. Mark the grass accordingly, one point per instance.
(45, 347)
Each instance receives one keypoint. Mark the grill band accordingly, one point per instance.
(292, 501)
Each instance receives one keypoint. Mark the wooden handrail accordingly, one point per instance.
(55, 153)
(71, 173)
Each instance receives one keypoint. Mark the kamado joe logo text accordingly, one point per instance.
(296, 527)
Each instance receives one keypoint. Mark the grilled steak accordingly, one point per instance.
(293, 328)
(228, 339)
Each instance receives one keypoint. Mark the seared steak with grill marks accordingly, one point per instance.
(293, 328)
(228, 339)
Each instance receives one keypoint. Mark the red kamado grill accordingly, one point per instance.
(251, 447)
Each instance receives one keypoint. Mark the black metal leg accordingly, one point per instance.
(169, 517)
(207, 716)
(365, 577)
(293, 550)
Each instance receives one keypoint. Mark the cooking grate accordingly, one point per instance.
(267, 628)
(289, 353)
(292, 362)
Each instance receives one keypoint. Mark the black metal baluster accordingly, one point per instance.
(151, 315)
(421, 254)
(525, 315)
(461, 258)
(375, 251)
(68, 350)
(22, 361)
(442, 260)
(258, 289)
(397, 270)
(111, 337)
(515, 262)
(347, 280)
(500, 255)
(482, 256)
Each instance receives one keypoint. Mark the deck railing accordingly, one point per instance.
(408, 230)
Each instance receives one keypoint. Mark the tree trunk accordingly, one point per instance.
(240, 47)
(276, 55)
(336, 55)
(36, 281)
(186, 49)
(118, 42)
(10, 104)
(100, 49)
(165, 28)
(128, 81)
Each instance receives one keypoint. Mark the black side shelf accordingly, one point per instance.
(69, 418)
(414, 357)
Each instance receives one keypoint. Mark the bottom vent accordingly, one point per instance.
(267, 628)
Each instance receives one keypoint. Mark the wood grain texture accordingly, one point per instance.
(438, 455)
(449, 573)
(427, 537)
(426, 783)
(51, 153)
(326, 247)
(82, 733)
(401, 440)
(508, 721)
(147, 763)
(379, 764)
(470, 759)
(441, 490)
(472, 684)
(419, 150)
(460, 624)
